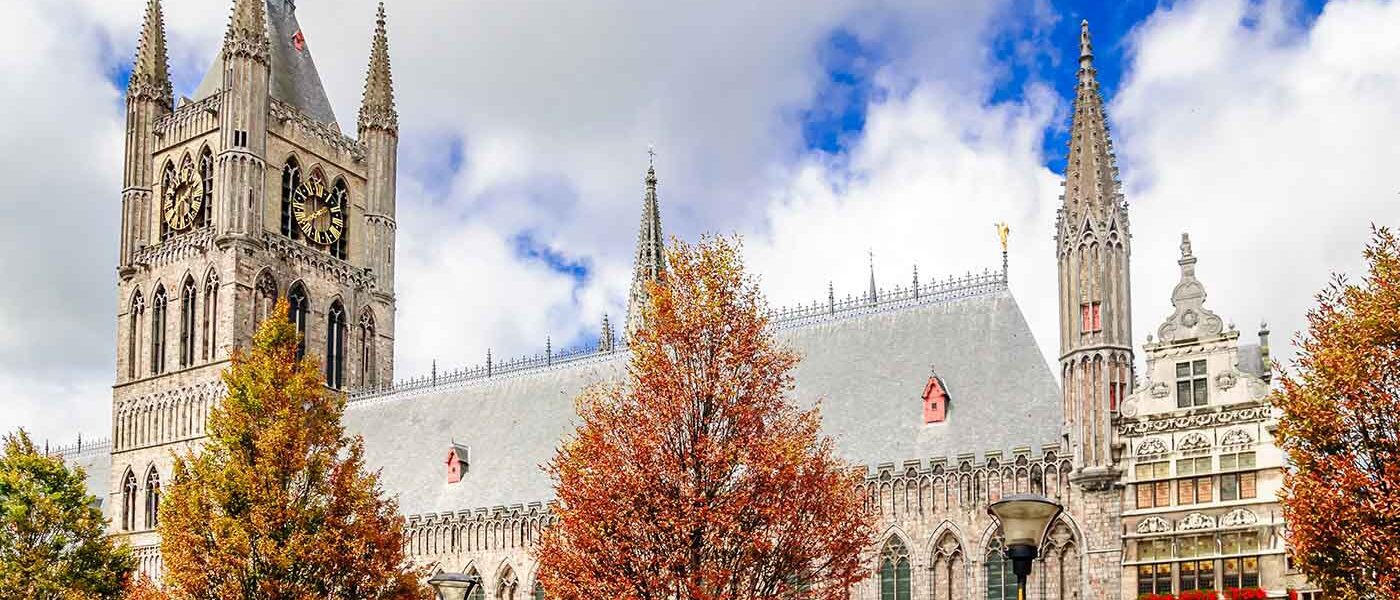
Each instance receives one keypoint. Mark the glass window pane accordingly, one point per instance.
(1186, 576)
(1247, 485)
(1229, 487)
(1183, 370)
(1203, 465)
(1227, 462)
(1185, 467)
(1205, 574)
(1200, 392)
(1144, 471)
(901, 580)
(887, 580)
(1160, 470)
(1186, 491)
(1199, 367)
(1203, 489)
(1183, 394)
(1144, 495)
(1164, 492)
(1246, 460)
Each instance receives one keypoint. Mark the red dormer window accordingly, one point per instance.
(458, 459)
(935, 400)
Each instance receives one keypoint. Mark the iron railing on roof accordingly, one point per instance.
(952, 288)
(81, 448)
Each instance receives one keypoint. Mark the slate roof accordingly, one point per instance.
(295, 79)
(96, 461)
(866, 362)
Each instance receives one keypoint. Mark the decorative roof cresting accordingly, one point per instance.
(1190, 319)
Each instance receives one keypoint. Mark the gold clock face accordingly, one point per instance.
(183, 197)
(320, 211)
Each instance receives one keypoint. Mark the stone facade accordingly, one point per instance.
(1119, 457)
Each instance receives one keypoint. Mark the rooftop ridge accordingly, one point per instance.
(81, 448)
(780, 319)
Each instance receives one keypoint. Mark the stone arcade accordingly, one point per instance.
(249, 192)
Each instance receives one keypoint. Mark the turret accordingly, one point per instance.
(148, 97)
(1092, 241)
(379, 132)
(246, 71)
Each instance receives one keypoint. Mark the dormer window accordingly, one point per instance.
(935, 400)
(1191, 380)
(458, 459)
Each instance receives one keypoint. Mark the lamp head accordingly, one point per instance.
(453, 586)
(1024, 518)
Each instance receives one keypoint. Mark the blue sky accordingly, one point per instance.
(817, 130)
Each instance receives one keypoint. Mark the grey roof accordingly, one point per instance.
(1251, 360)
(96, 460)
(294, 76)
(866, 363)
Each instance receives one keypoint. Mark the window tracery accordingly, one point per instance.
(158, 306)
(152, 498)
(134, 316)
(335, 346)
(210, 330)
(291, 178)
(187, 300)
(129, 501)
(894, 571)
(368, 362)
(298, 311)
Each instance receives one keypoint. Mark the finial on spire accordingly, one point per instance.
(1086, 46)
(247, 31)
(377, 110)
(150, 76)
(1185, 245)
(873, 294)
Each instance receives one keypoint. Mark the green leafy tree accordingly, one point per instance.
(277, 504)
(1341, 429)
(53, 541)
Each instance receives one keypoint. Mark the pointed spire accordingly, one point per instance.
(150, 77)
(1091, 172)
(650, 262)
(873, 294)
(605, 338)
(377, 109)
(247, 31)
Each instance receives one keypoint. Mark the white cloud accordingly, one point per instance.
(1267, 140)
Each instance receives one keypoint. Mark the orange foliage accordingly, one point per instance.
(277, 504)
(142, 588)
(696, 478)
(1341, 429)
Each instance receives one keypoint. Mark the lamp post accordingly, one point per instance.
(1024, 519)
(453, 586)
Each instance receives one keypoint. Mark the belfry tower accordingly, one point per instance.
(1096, 355)
(245, 194)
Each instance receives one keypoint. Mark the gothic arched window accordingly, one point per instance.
(158, 305)
(291, 178)
(129, 501)
(335, 346)
(1001, 580)
(505, 589)
(340, 196)
(210, 330)
(477, 593)
(265, 296)
(206, 182)
(152, 499)
(168, 180)
(894, 571)
(133, 344)
(298, 311)
(368, 366)
(187, 298)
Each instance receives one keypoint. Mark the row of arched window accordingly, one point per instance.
(196, 323)
(150, 514)
(1055, 575)
(338, 333)
(292, 179)
(915, 492)
(170, 177)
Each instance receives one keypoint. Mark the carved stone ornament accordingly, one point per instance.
(1238, 518)
(1226, 380)
(1168, 424)
(1160, 390)
(1194, 441)
(1154, 525)
(1236, 437)
(1191, 319)
(1195, 521)
(1151, 446)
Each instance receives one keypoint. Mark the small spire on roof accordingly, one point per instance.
(247, 31)
(874, 295)
(377, 110)
(1086, 46)
(650, 262)
(150, 77)
(605, 339)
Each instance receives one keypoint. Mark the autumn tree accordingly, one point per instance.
(53, 537)
(696, 478)
(277, 503)
(1341, 429)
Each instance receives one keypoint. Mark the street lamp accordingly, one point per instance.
(453, 586)
(1024, 519)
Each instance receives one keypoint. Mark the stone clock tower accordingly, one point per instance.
(246, 194)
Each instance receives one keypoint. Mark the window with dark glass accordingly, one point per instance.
(152, 499)
(169, 179)
(340, 196)
(210, 330)
(1197, 574)
(298, 311)
(368, 364)
(158, 306)
(1240, 484)
(206, 181)
(133, 345)
(129, 501)
(291, 178)
(1001, 580)
(1196, 487)
(335, 346)
(1191, 388)
(1154, 578)
(894, 571)
(187, 298)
